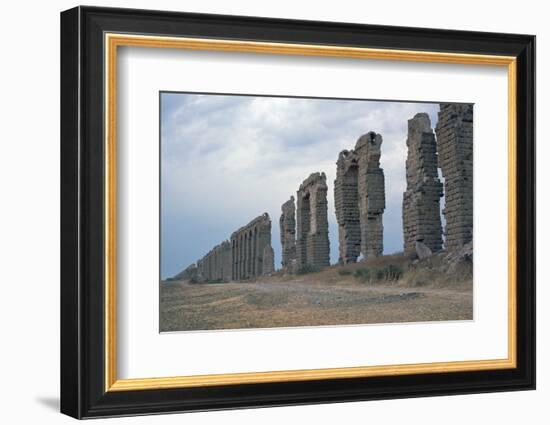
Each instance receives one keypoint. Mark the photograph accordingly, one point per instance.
(280, 212)
(284, 210)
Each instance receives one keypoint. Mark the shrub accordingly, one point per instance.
(389, 272)
(362, 274)
(345, 272)
(307, 268)
(393, 272)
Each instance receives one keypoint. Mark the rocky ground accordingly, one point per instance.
(332, 297)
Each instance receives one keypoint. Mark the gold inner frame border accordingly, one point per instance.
(111, 43)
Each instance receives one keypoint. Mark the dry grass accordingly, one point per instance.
(328, 297)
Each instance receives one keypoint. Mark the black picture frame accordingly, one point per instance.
(83, 392)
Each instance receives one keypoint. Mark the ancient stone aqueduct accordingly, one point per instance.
(359, 197)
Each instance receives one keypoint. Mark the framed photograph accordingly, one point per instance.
(261, 212)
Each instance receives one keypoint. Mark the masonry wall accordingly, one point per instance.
(248, 245)
(421, 208)
(216, 264)
(246, 255)
(189, 273)
(455, 148)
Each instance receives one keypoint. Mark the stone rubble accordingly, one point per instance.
(422, 251)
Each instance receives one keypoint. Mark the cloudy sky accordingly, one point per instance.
(226, 159)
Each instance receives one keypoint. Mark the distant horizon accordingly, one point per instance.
(226, 159)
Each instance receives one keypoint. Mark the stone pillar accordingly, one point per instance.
(226, 261)
(246, 255)
(268, 260)
(235, 256)
(200, 271)
(312, 244)
(216, 261)
(347, 207)
(238, 255)
(264, 239)
(252, 258)
(421, 213)
(233, 260)
(303, 211)
(238, 247)
(455, 153)
(287, 224)
(243, 253)
(211, 269)
(371, 194)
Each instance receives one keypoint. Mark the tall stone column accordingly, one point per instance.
(248, 254)
(252, 258)
(254, 233)
(235, 254)
(268, 260)
(213, 262)
(241, 256)
(216, 260)
(303, 212)
(346, 204)
(245, 255)
(287, 224)
(264, 239)
(421, 212)
(455, 151)
(371, 194)
(312, 243)
(227, 261)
